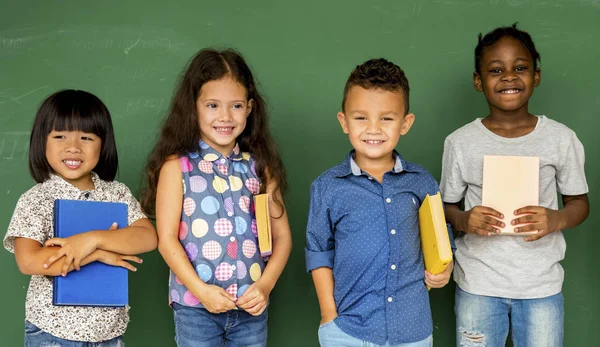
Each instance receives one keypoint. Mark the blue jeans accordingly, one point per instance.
(196, 327)
(36, 337)
(330, 335)
(485, 320)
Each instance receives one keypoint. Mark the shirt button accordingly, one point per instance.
(223, 160)
(371, 178)
(393, 266)
(390, 299)
(388, 200)
(393, 231)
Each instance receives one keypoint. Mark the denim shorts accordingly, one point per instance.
(196, 327)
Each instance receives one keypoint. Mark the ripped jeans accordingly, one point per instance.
(36, 337)
(485, 320)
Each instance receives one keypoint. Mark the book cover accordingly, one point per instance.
(510, 183)
(96, 284)
(435, 242)
(263, 224)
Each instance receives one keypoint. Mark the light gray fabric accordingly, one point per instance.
(506, 266)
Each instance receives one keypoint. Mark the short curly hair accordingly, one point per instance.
(379, 74)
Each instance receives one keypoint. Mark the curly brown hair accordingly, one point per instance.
(180, 132)
(378, 74)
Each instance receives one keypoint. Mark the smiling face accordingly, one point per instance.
(374, 121)
(73, 155)
(508, 76)
(222, 108)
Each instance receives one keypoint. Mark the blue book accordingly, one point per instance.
(96, 284)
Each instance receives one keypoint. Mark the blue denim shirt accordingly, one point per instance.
(368, 233)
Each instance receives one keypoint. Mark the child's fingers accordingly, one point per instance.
(528, 209)
(66, 264)
(123, 263)
(529, 227)
(77, 263)
(113, 226)
(54, 242)
(251, 303)
(489, 211)
(132, 258)
(256, 310)
(59, 254)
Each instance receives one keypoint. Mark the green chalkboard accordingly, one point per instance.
(130, 53)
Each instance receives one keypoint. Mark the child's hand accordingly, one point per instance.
(439, 280)
(73, 248)
(328, 317)
(216, 299)
(115, 259)
(544, 220)
(255, 298)
(481, 221)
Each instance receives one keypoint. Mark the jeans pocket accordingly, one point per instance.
(326, 324)
(31, 329)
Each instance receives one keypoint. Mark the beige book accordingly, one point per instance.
(510, 183)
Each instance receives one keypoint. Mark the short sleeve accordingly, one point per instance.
(570, 175)
(320, 244)
(27, 221)
(452, 184)
(133, 206)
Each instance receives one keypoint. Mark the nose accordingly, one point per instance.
(509, 76)
(225, 114)
(73, 145)
(374, 126)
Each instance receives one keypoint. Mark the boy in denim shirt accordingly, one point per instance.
(363, 243)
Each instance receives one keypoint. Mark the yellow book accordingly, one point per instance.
(263, 224)
(435, 242)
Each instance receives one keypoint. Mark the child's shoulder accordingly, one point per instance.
(339, 170)
(36, 193)
(465, 131)
(556, 127)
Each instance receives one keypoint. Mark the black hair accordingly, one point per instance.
(72, 110)
(379, 74)
(495, 35)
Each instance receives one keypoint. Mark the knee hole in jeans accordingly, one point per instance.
(471, 338)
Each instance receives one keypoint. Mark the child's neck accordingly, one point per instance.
(375, 167)
(510, 124)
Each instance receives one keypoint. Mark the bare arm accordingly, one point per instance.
(168, 216)
(30, 256)
(255, 298)
(324, 285)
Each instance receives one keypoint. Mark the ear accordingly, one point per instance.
(409, 120)
(249, 107)
(477, 83)
(537, 77)
(342, 119)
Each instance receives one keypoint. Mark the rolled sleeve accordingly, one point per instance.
(315, 260)
(320, 249)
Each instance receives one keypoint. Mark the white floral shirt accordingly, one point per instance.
(33, 219)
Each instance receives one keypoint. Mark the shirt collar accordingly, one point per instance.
(64, 187)
(349, 166)
(210, 154)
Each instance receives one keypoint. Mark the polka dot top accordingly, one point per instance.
(218, 226)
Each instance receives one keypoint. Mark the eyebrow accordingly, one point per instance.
(498, 61)
(364, 112)
(217, 100)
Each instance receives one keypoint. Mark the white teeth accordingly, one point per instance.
(374, 142)
(510, 91)
(72, 162)
(223, 129)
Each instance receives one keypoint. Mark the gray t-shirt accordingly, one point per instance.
(506, 266)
